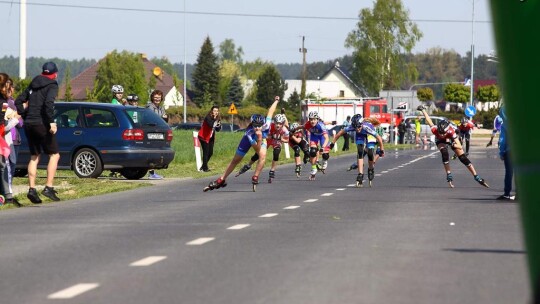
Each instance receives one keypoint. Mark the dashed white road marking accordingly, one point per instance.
(200, 241)
(73, 291)
(340, 189)
(351, 185)
(239, 226)
(268, 215)
(327, 194)
(378, 174)
(311, 200)
(384, 171)
(400, 166)
(148, 261)
(291, 207)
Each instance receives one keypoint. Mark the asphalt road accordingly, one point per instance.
(409, 239)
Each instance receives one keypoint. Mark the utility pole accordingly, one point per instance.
(303, 51)
(22, 40)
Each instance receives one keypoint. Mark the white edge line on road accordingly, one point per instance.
(239, 226)
(201, 241)
(291, 207)
(268, 215)
(73, 291)
(327, 194)
(311, 200)
(148, 260)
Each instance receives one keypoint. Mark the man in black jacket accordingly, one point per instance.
(36, 106)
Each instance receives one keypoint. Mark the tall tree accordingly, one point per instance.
(269, 84)
(68, 96)
(123, 68)
(236, 91)
(206, 76)
(227, 71)
(454, 92)
(228, 51)
(379, 39)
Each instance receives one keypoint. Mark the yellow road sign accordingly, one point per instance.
(232, 110)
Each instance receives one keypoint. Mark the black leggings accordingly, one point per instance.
(207, 151)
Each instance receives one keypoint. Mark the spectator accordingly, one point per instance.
(417, 130)
(5, 188)
(346, 135)
(207, 134)
(156, 97)
(36, 106)
(504, 153)
(402, 128)
(118, 92)
(14, 132)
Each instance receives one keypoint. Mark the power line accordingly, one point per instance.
(224, 14)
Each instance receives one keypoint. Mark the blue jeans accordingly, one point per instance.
(508, 174)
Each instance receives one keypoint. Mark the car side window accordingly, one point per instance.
(99, 118)
(67, 118)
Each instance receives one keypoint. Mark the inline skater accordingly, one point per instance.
(298, 142)
(253, 138)
(465, 128)
(317, 134)
(372, 142)
(278, 134)
(363, 128)
(445, 135)
(497, 123)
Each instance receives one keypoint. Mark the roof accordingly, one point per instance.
(85, 80)
(345, 73)
(483, 82)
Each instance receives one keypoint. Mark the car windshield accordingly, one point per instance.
(141, 117)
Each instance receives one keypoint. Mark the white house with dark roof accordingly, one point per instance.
(335, 83)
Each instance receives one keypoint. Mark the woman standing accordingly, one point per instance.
(207, 135)
(156, 97)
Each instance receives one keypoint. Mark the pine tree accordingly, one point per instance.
(269, 84)
(68, 96)
(206, 76)
(236, 91)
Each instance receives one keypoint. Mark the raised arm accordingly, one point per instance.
(422, 109)
(273, 107)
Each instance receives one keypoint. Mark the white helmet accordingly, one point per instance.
(313, 114)
(279, 118)
(117, 89)
(294, 126)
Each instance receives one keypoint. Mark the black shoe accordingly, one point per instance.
(33, 196)
(13, 201)
(504, 198)
(50, 193)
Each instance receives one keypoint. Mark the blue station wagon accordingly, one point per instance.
(93, 137)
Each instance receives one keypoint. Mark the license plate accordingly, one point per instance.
(155, 136)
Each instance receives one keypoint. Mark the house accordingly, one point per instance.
(164, 82)
(335, 83)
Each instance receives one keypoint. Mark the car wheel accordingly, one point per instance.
(134, 173)
(87, 164)
(20, 172)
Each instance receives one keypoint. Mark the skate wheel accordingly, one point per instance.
(359, 185)
(254, 187)
(206, 189)
(451, 185)
(370, 184)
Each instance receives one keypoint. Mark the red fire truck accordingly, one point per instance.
(337, 110)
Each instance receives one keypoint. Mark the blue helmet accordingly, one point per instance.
(257, 120)
(356, 120)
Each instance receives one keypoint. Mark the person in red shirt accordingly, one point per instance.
(445, 135)
(207, 135)
(465, 129)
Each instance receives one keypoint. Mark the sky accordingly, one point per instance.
(268, 30)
